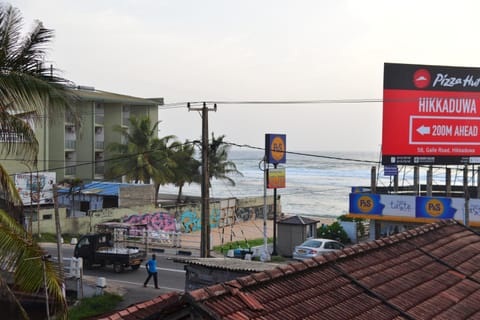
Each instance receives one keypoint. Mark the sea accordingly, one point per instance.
(318, 183)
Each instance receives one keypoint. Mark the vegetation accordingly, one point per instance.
(244, 244)
(218, 164)
(187, 168)
(144, 157)
(28, 91)
(359, 221)
(333, 231)
(92, 306)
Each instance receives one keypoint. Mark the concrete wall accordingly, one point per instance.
(184, 218)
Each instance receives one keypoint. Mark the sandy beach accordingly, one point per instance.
(239, 231)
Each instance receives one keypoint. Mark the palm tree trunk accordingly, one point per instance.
(179, 197)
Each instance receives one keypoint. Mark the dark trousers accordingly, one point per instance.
(155, 279)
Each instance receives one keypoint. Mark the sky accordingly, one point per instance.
(251, 50)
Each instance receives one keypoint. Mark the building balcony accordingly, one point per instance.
(70, 171)
(70, 144)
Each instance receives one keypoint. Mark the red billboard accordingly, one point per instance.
(431, 115)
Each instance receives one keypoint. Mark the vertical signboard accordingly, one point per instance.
(431, 115)
(276, 178)
(275, 148)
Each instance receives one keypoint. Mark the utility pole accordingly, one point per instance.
(58, 230)
(205, 219)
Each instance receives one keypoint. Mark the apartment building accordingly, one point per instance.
(73, 152)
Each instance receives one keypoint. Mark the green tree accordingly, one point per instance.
(27, 90)
(187, 169)
(333, 231)
(219, 167)
(144, 157)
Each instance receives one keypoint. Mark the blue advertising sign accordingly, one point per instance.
(438, 208)
(275, 148)
(366, 204)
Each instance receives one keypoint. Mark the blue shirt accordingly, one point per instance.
(152, 265)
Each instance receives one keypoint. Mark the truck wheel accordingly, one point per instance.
(135, 266)
(118, 267)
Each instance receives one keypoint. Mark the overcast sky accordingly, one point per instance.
(220, 50)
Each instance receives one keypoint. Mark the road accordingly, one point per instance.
(171, 276)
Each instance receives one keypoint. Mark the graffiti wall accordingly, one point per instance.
(163, 221)
(158, 221)
(192, 220)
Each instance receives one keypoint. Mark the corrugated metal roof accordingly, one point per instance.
(297, 220)
(99, 188)
(229, 264)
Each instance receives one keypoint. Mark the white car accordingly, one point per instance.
(315, 247)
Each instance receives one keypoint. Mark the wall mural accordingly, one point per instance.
(155, 221)
(163, 221)
(192, 220)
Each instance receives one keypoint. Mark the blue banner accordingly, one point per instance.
(434, 208)
(365, 204)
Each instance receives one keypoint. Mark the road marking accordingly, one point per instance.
(140, 284)
(167, 269)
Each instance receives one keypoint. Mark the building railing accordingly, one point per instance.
(99, 169)
(99, 119)
(70, 144)
(70, 171)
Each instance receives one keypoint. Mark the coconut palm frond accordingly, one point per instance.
(22, 256)
(18, 137)
(12, 197)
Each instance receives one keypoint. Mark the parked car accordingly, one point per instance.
(315, 247)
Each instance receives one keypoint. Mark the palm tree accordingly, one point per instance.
(187, 167)
(219, 167)
(144, 157)
(27, 90)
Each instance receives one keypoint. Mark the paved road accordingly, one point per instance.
(171, 277)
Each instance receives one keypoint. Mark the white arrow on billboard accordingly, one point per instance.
(423, 130)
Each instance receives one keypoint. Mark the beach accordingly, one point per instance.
(239, 231)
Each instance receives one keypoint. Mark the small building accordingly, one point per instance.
(292, 231)
(205, 272)
(81, 200)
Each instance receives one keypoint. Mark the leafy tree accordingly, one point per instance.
(27, 90)
(187, 169)
(219, 167)
(144, 157)
(333, 231)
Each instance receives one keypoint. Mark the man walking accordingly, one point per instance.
(152, 271)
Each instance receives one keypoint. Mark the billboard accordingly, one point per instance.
(415, 209)
(34, 189)
(275, 148)
(431, 115)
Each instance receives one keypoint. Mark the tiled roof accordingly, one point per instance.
(431, 272)
(151, 309)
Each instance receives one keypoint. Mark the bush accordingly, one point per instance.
(333, 231)
(359, 221)
(94, 306)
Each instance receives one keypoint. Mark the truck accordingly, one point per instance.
(111, 245)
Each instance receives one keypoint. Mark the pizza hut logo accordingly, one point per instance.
(421, 78)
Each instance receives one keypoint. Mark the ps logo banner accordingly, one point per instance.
(275, 148)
